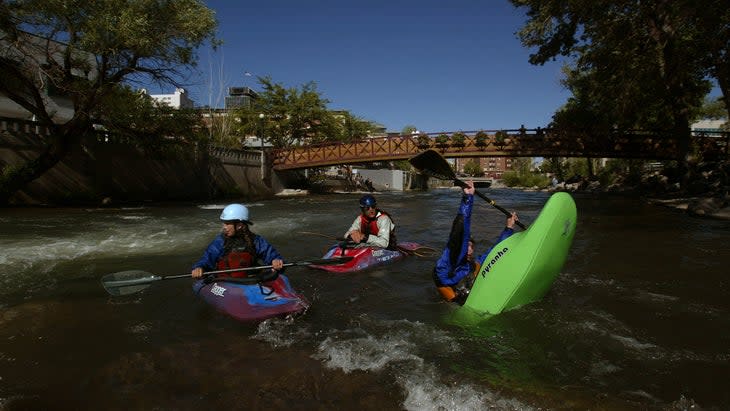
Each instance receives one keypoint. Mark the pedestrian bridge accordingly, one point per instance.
(650, 145)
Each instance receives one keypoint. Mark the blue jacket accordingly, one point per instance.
(265, 252)
(453, 265)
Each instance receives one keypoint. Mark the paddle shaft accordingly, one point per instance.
(144, 279)
(329, 261)
(491, 202)
(432, 163)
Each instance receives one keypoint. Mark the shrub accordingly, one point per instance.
(457, 139)
(442, 140)
(500, 138)
(423, 141)
(481, 139)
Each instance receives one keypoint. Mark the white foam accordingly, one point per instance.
(396, 353)
(365, 353)
(279, 332)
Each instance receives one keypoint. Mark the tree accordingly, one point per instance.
(473, 168)
(634, 63)
(408, 130)
(481, 139)
(292, 116)
(713, 109)
(81, 53)
(351, 127)
(458, 139)
(442, 141)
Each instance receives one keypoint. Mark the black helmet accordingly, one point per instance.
(367, 201)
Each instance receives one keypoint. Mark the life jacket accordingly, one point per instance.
(237, 257)
(370, 226)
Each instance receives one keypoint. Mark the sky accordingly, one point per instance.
(433, 64)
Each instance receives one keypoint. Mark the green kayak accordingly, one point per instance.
(522, 268)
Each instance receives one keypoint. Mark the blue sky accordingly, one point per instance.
(441, 66)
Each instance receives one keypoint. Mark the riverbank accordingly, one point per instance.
(701, 190)
(706, 206)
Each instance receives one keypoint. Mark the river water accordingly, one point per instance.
(637, 319)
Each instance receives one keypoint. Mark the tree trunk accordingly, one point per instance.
(15, 178)
(591, 171)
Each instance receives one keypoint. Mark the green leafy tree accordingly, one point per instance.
(408, 130)
(136, 117)
(442, 141)
(500, 138)
(423, 141)
(633, 63)
(473, 168)
(523, 176)
(352, 128)
(79, 53)
(481, 139)
(291, 116)
(555, 166)
(458, 138)
(713, 109)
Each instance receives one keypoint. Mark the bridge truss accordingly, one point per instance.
(515, 143)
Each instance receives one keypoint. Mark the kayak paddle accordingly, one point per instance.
(420, 251)
(431, 163)
(132, 281)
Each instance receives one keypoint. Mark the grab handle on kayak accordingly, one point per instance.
(261, 288)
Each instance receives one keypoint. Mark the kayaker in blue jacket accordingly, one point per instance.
(457, 261)
(236, 246)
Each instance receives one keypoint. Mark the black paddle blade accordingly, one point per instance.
(434, 164)
(128, 282)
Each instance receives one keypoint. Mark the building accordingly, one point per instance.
(179, 99)
(493, 167)
(708, 126)
(240, 97)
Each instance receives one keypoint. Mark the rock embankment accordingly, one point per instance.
(702, 191)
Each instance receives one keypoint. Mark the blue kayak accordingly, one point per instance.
(248, 301)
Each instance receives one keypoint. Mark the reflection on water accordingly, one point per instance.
(636, 320)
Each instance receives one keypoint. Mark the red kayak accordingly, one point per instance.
(365, 257)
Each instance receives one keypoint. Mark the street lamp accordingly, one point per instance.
(261, 137)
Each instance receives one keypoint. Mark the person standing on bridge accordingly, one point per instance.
(457, 261)
(373, 227)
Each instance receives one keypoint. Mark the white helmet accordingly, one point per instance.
(234, 212)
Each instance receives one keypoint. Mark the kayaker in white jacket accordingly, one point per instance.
(373, 227)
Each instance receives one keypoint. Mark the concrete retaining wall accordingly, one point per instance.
(126, 173)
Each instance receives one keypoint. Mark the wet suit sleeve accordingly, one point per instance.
(502, 236)
(211, 255)
(265, 252)
(354, 227)
(385, 226)
(453, 265)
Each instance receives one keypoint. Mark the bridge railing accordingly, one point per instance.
(647, 144)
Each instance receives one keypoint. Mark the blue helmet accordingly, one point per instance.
(235, 212)
(367, 201)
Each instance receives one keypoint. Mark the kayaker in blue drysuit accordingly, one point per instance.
(457, 261)
(236, 246)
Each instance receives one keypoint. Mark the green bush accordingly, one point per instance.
(457, 139)
(481, 139)
(515, 179)
(423, 141)
(473, 168)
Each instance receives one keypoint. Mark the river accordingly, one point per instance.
(637, 319)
